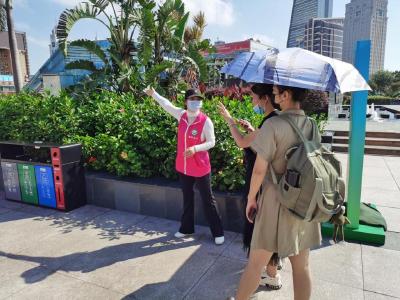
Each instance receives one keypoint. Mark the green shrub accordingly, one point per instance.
(121, 135)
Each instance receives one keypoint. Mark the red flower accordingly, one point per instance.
(92, 159)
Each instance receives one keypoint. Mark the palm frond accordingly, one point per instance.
(69, 17)
(102, 4)
(199, 60)
(82, 65)
(155, 71)
(91, 47)
(180, 28)
(146, 35)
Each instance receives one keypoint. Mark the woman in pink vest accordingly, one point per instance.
(195, 138)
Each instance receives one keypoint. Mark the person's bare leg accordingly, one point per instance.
(251, 276)
(301, 275)
(272, 270)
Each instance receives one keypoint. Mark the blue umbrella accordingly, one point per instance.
(297, 68)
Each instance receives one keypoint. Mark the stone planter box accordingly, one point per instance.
(156, 197)
(159, 198)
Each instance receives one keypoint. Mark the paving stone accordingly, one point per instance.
(392, 241)
(328, 290)
(4, 210)
(169, 274)
(381, 269)
(339, 263)
(16, 275)
(10, 204)
(375, 296)
(380, 183)
(392, 217)
(20, 230)
(235, 250)
(59, 286)
(381, 197)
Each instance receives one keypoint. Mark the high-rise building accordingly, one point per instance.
(3, 19)
(302, 12)
(324, 36)
(53, 41)
(6, 69)
(366, 20)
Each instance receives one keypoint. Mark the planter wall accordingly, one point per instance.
(159, 198)
(156, 197)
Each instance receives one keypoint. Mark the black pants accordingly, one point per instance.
(209, 204)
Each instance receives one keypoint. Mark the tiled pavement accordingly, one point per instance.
(96, 253)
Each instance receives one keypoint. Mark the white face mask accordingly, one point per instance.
(194, 105)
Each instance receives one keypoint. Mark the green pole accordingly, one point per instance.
(357, 136)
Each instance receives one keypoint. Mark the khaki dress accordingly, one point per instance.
(276, 229)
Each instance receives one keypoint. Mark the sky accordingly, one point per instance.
(228, 20)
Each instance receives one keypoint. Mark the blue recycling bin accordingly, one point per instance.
(45, 186)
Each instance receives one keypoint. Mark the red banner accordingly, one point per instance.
(233, 47)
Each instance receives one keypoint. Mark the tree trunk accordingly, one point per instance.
(13, 49)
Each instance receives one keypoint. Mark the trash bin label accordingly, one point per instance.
(11, 182)
(45, 186)
(27, 183)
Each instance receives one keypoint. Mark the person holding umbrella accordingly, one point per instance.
(263, 103)
(195, 138)
(277, 230)
(292, 71)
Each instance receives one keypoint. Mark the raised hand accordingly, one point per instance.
(149, 91)
(225, 113)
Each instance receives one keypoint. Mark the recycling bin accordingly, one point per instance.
(11, 181)
(27, 182)
(45, 186)
(44, 174)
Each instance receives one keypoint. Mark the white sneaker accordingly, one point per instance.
(180, 235)
(273, 283)
(219, 240)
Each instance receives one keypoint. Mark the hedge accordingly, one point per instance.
(120, 134)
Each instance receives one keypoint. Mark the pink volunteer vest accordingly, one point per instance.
(197, 165)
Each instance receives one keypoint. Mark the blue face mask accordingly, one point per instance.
(258, 110)
(194, 105)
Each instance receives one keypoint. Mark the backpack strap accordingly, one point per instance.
(315, 136)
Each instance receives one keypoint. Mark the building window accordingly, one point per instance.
(358, 13)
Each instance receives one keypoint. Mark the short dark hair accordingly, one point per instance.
(262, 90)
(298, 94)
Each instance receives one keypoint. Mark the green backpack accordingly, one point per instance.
(311, 187)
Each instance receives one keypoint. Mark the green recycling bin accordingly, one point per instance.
(27, 182)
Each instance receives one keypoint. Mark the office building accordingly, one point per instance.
(6, 70)
(324, 36)
(366, 20)
(302, 12)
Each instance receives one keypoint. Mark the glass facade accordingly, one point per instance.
(325, 36)
(302, 12)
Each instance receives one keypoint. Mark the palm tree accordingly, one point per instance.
(7, 5)
(194, 44)
(121, 24)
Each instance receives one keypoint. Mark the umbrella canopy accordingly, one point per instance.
(297, 68)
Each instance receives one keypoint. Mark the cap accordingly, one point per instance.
(192, 93)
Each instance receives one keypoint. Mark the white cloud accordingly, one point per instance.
(217, 12)
(67, 3)
(261, 37)
(38, 42)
